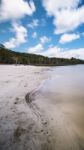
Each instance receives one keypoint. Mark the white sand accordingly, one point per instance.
(15, 114)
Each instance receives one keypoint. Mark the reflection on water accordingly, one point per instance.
(65, 89)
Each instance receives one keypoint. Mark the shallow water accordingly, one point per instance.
(65, 90)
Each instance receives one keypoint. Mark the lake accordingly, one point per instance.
(65, 91)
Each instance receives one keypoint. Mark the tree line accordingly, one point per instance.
(12, 57)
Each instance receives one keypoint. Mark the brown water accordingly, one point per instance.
(65, 90)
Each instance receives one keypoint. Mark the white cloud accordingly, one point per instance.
(20, 36)
(45, 39)
(37, 49)
(33, 24)
(77, 53)
(68, 38)
(67, 16)
(62, 53)
(34, 35)
(52, 51)
(14, 9)
(58, 52)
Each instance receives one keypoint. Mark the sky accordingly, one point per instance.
(53, 28)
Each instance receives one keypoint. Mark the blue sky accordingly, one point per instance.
(53, 28)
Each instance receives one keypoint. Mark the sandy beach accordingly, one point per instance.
(29, 118)
(18, 123)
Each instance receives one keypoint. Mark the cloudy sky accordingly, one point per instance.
(53, 28)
